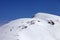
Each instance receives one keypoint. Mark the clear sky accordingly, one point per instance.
(13, 9)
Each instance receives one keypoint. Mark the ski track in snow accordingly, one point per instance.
(42, 26)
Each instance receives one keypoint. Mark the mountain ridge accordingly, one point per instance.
(42, 26)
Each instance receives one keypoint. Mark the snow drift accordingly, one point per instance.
(42, 26)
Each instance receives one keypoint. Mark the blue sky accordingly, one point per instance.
(13, 9)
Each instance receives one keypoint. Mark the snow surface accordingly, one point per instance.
(42, 26)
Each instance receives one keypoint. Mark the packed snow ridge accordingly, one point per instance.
(42, 26)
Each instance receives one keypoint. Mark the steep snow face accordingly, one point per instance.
(55, 30)
(41, 27)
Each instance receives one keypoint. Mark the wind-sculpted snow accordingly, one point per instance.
(41, 27)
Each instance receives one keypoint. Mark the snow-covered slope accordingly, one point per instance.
(42, 26)
(46, 16)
